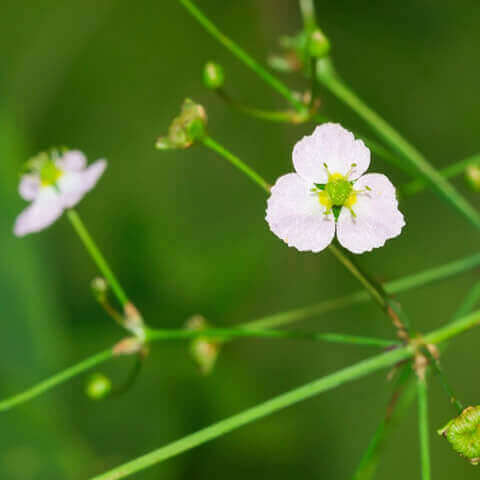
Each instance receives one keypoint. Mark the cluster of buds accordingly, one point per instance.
(463, 434)
(186, 128)
(299, 49)
(203, 350)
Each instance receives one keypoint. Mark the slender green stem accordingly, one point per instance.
(397, 407)
(55, 380)
(329, 78)
(423, 427)
(242, 55)
(307, 9)
(443, 380)
(262, 410)
(292, 316)
(376, 292)
(154, 335)
(368, 465)
(224, 334)
(131, 378)
(451, 171)
(97, 257)
(236, 162)
(469, 302)
(292, 397)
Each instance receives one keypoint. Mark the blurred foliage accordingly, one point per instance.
(186, 233)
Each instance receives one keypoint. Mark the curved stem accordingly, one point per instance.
(51, 382)
(277, 116)
(97, 256)
(242, 55)
(292, 397)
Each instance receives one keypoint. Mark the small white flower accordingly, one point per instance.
(55, 183)
(329, 192)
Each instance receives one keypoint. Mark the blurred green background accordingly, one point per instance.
(186, 234)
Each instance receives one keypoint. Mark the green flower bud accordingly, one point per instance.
(99, 288)
(319, 45)
(463, 434)
(213, 76)
(472, 175)
(203, 350)
(186, 128)
(98, 386)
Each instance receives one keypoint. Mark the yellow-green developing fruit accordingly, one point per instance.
(319, 45)
(98, 386)
(213, 76)
(463, 434)
(472, 174)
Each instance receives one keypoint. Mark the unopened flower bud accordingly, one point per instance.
(285, 63)
(213, 76)
(186, 128)
(99, 288)
(472, 174)
(98, 386)
(319, 45)
(203, 350)
(134, 320)
(463, 434)
(129, 346)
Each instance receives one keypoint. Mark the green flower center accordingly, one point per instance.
(338, 189)
(336, 193)
(49, 173)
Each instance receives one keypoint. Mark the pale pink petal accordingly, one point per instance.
(72, 161)
(295, 215)
(44, 210)
(333, 145)
(29, 186)
(377, 216)
(75, 185)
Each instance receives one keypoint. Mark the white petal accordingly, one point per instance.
(44, 210)
(29, 186)
(74, 185)
(377, 216)
(333, 145)
(295, 215)
(72, 161)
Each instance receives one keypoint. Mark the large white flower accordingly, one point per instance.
(55, 183)
(329, 192)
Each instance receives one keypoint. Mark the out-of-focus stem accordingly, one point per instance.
(97, 256)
